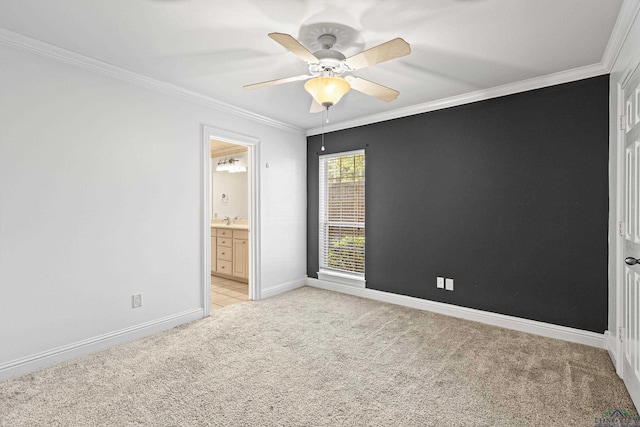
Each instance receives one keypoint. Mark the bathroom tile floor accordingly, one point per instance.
(225, 292)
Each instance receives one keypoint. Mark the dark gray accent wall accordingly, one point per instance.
(508, 196)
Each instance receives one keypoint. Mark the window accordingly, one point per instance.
(341, 217)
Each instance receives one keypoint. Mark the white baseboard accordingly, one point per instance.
(612, 345)
(43, 359)
(510, 322)
(283, 287)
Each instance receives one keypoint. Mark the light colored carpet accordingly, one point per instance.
(310, 357)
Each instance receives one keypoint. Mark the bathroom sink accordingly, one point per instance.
(237, 225)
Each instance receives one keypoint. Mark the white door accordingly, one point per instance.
(631, 252)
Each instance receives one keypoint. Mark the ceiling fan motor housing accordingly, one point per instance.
(329, 61)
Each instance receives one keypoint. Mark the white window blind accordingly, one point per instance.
(342, 213)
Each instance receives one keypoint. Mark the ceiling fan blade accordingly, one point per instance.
(383, 52)
(276, 82)
(315, 107)
(372, 89)
(295, 47)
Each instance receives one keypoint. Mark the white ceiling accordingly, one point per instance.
(214, 47)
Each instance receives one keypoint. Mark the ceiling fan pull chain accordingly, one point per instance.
(327, 109)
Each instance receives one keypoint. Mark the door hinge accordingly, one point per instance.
(621, 122)
(620, 333)
(621, 228)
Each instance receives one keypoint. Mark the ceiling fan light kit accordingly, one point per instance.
(327, 90)
(327, 65)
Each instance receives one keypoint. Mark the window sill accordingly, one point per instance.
(342, 278)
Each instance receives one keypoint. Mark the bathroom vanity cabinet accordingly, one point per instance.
(214, 257)
(240, 253)
(230, 252)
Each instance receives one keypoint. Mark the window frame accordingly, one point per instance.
(326, 273)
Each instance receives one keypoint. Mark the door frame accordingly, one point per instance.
(253, 176)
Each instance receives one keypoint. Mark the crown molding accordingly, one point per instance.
(627, 15)
(629, 11)
(43, 49)
(467, 98)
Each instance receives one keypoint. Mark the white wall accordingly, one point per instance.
(628, 54)
(100, 198)
(234, 185)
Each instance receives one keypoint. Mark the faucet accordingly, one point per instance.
(227, 219)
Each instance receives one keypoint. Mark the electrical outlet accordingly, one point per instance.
(440, 282)
(136, 300)
(448, 284)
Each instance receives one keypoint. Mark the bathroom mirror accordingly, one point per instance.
(229, 181)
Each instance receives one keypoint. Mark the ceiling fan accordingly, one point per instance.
(326, 67)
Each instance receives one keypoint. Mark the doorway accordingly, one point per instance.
(229, 224)
(229, 218)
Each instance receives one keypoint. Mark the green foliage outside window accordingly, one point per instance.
(346, 169)
(347, 254)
